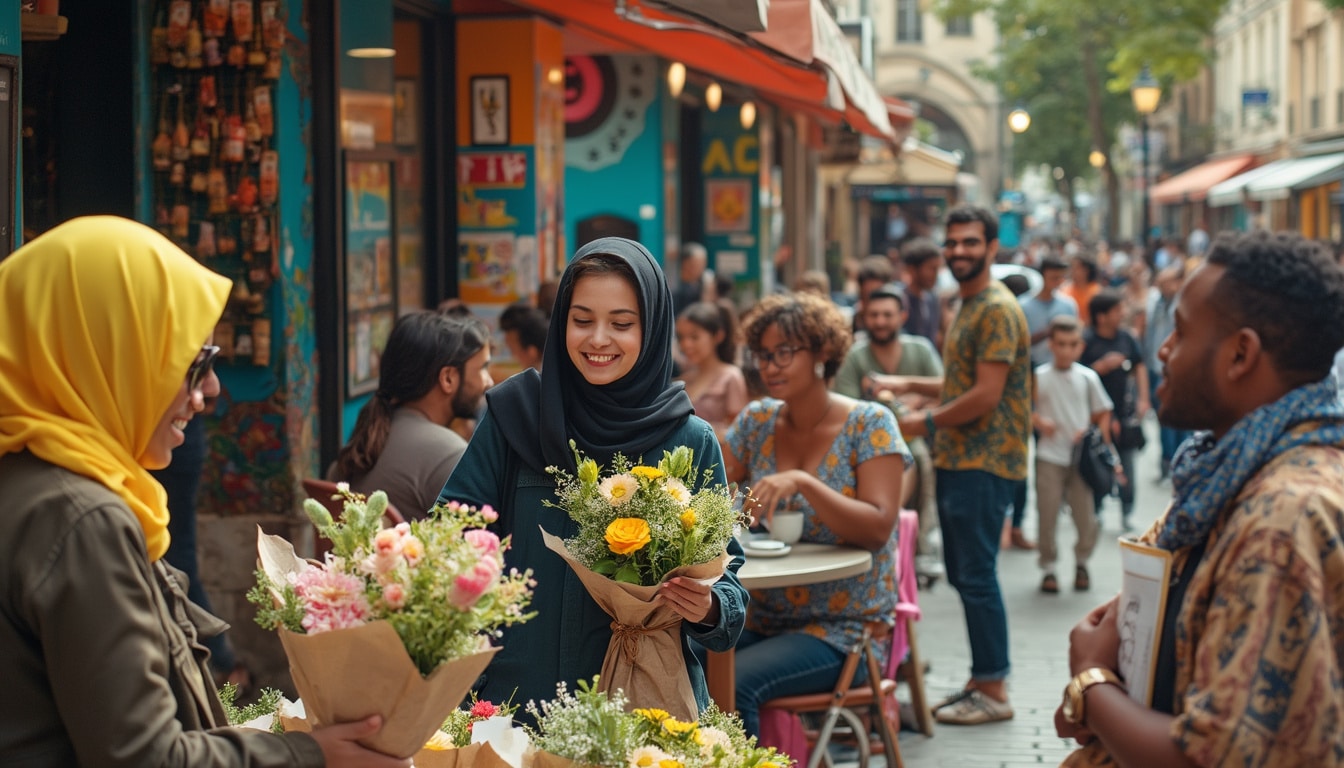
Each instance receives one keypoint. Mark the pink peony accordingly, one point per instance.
(468, 587)
(484, 541)
(331, 600)
(394, 595)
(483, 709)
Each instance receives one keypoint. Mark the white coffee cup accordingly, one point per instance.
(787, 526)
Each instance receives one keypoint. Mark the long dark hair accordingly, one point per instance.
(420, 346)
(714, 317)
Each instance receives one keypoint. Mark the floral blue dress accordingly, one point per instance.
(833, 611)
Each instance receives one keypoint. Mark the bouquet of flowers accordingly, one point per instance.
(396, 621)
(592, 728)
(639, 526)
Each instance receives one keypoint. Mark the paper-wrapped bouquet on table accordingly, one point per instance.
(591, 728)
(395, 621)
(639, 526)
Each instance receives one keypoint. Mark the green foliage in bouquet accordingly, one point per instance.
(640, 522)
(439, 582)
(267, 703)
(592, 728)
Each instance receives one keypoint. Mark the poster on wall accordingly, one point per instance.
(370, 269)
(487, 267)
(490, 110)
(727, 205)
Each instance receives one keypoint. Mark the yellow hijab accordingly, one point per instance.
(99, 320)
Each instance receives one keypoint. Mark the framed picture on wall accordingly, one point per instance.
(490, 110)
(370, 267)
(405, 112)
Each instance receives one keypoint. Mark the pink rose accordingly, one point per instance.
(484, 541)
(394, 595)
(468, 587)
(387, 543)
(488, 512)
(483, 709)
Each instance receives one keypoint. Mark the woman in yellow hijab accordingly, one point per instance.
(104, 359)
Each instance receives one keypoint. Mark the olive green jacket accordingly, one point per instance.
(98, 647)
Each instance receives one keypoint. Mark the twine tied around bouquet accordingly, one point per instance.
(628, 635)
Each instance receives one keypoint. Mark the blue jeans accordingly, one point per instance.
(971, 508)
(1019, 502)
(783, 665)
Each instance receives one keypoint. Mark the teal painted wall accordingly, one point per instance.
(11, 44)
(632, 176)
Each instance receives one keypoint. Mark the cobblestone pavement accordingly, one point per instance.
(1039, 625)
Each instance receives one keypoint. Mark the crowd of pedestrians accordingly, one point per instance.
(933, 395)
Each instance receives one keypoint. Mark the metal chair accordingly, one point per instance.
(325, 492)
(849, 714)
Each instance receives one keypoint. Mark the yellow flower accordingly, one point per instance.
(588, 471)
(670, 763)
(678, 491)
(439, 742)
(677, 727)
(688, 520)
(648, 473)
(647, 757)
(768, 765)
(618, 489)
(656, 715)
(627, 535)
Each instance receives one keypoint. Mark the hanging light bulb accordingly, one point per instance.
(747, 114)
(676, 78)
(713, 96)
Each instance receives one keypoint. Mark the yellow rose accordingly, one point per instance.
(688, 520)
(627, 535)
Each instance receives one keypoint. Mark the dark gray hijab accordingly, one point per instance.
(540, 414)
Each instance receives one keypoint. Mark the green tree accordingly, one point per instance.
(1070, 64)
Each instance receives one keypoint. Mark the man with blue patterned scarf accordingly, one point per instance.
(1250, 662)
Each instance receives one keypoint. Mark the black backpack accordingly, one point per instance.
(1096, 461)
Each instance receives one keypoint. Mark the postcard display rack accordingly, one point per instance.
(216, 177)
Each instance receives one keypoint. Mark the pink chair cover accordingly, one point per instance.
(782, 729)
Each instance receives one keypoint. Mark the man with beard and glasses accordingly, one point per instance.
(434, 369)
(1248, 666)
(980, 432)
(887, 356)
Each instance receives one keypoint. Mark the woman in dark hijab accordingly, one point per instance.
(606, 384)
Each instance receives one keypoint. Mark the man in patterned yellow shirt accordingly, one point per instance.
(979, 433)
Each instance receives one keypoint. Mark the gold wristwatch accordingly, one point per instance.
(1073, 692)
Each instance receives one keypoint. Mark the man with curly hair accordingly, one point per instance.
(979, 432)
(1248, 668)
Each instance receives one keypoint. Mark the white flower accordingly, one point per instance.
(678, 491)
(618, 489)
(647, 757)
(343, 487)
(708, 737)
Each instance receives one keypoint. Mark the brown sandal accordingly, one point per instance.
(1081, 581)
(1049, 584)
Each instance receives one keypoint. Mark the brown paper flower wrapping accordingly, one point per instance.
(644, 657)
(547, 760)
(348, 674)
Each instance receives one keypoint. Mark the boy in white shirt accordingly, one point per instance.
(1068, 397)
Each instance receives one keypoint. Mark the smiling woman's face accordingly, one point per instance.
(603, 332)
(170, 432)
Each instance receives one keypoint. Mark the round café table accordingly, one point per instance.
(806, 563)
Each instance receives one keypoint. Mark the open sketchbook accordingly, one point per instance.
(1143, 604)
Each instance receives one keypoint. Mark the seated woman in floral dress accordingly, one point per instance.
(837, 460)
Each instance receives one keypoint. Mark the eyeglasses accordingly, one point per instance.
(780, 358)
(201, 367)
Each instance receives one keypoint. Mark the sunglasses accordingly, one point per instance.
(201, 367)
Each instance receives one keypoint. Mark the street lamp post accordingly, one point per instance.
(1146, 93)
(1019, 120)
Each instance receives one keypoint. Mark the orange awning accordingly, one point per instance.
(776, 78)
(1193, 185)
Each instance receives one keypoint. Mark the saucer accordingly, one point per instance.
(772, 548)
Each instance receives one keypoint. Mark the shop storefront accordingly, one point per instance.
(347, 162)
(1182, 201)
